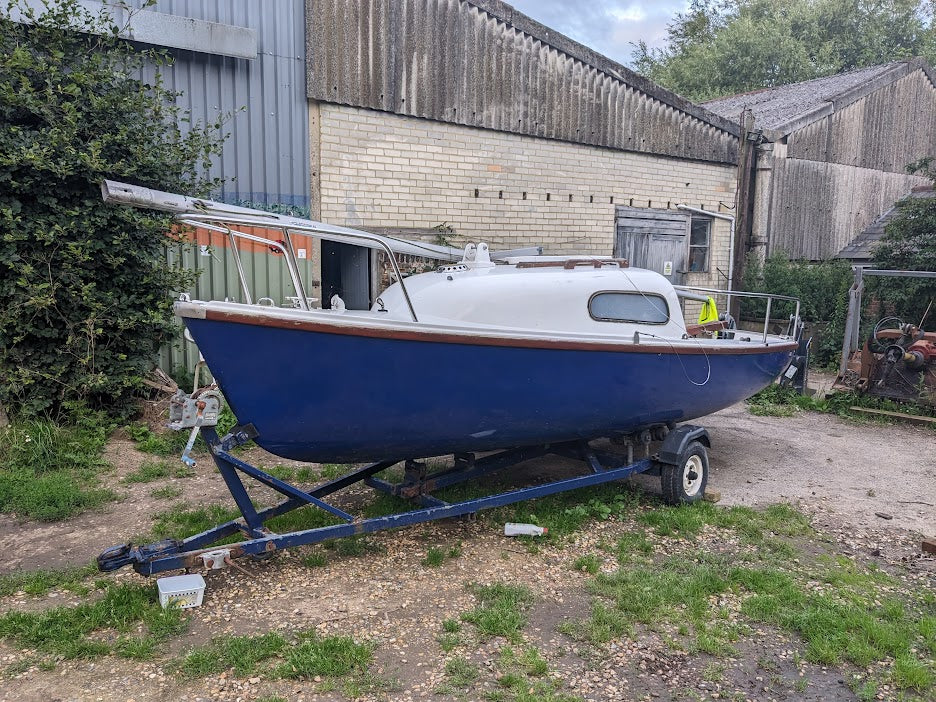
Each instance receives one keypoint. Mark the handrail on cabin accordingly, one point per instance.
(205, 220)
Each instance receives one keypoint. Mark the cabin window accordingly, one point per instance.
(700, 234)
(628, 307)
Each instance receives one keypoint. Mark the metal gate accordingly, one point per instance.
(655, 239)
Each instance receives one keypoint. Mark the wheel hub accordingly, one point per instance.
(692, 470)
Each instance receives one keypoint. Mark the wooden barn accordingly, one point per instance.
(833, 154)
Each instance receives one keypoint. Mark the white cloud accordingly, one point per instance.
(631, 13)
(610, 27)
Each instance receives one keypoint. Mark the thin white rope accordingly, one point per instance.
(708, 362)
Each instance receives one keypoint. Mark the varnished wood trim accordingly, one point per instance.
(479, 340)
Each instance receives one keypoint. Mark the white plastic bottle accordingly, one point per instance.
(512, 529)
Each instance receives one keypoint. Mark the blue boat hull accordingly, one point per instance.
(327, 396)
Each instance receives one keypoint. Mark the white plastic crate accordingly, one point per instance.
(183, 591)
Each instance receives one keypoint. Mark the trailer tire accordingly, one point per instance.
(684, 482)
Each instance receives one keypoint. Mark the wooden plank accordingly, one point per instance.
(914, 418)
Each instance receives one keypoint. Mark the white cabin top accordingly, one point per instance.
(580, 294)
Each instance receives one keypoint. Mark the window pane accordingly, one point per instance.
(629, 307)
(699, 232)
(697, 256)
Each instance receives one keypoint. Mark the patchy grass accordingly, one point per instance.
(304, 474)
(272, 654)
(501, 610)
(449, 642)
(243, 654)
(166, 492)
(632, 545)
(522, 678)
(436, 555)
(358, 545)
(97, 628)
(180, 521)
(754, 526)
(450, 638)
(588, 563)
(148, 472)
(49, 471)
(40, 582)
(316, 559)
(566, 513)
(309, 517)
(461, 672)
(166, 443)
(777, 401)
(842, 611)
(327, 656)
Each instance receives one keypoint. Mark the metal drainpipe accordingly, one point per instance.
(727, 218)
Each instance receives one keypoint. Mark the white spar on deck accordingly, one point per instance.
(137, 196)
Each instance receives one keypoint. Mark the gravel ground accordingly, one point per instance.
(839, 473)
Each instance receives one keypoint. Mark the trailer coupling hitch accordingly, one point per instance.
(127, 554)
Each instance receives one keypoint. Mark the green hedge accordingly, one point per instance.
(84, 287)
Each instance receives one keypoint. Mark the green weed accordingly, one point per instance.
(328, 656)
(242, 653)
(68, 631)
(49, 471)
(180, 522)
(434, 557)
(501, 609)
(589, 563)
(40, 582)
(461, 672)
(148, 472)
(166, 492)
(315, 560)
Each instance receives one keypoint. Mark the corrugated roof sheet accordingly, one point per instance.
(480, 63)
(861, 249)
(774, 108)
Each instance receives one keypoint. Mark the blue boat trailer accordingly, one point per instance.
(681, 461)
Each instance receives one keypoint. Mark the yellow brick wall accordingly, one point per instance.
(383, 170)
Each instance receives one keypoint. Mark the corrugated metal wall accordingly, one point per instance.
(818, 208)
(265, 158)
(482, 64)
(885, 130)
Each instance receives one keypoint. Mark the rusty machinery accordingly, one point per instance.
(897, 361)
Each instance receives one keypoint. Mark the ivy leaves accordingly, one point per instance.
(84, 286)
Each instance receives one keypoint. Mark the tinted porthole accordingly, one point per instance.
(628, 307)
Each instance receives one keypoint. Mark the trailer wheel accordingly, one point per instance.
(685, 482)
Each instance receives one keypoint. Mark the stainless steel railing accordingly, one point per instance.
(695, 293)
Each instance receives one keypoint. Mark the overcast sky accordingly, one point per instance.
(607, 26)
